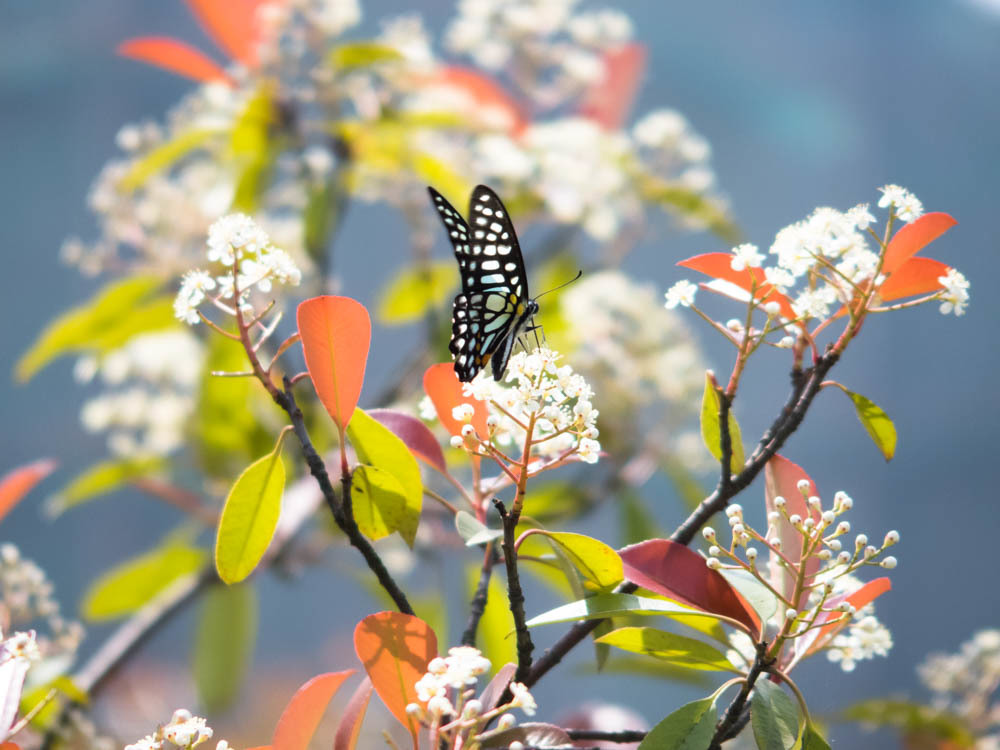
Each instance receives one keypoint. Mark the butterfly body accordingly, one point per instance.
(493, 308)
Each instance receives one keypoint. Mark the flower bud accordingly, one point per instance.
(802, 486)
(468, 430)
(834, 544)
(891, 538)
(844, 557)
(751, 554)
(456, 441)
(506, 721)
(775, 542)
(790, 614)
(734, 325)
(738, 529)
(492, 421)
(787, 342)
(413, 709)
(888, 563)
(795, 519)
(473, 708)
(870, 552)
(773, 517)
(829, 517)
(772, 308)
(814, 502)
(809, 523)
(709, 533)
(714, 551)
(713, 563)
(734, 509)
(779, 502)
(843, 527)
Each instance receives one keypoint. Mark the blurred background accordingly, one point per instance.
(804, 105)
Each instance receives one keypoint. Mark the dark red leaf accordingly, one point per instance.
(781, 478)
(418, 438)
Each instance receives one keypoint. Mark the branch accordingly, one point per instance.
(622, 735)
(479, 599)
(515, 595)
(732, 720)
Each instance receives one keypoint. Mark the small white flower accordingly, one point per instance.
(746, 255)
(522, 698)
(956, 292)
(907, 206)
(682, 293)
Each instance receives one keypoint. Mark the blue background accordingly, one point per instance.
(805, 104)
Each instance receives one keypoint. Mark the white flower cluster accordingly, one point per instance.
(151, 382)
(965, 683)
(446, 697)
(183, 730)
(552, 401)
(235, 240)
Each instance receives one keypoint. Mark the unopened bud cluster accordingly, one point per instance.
(183, 731)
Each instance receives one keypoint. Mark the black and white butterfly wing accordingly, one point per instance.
(494, 305)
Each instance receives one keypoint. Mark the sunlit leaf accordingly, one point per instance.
(473, 531)
(17, 483)
(417, 436)
(100, 479)
(915, 276)
(175, 56)
(232, 24)
(611, 605)
(711, 431)
(621, 663)
(913, 237)
(336, 333)
(781, 479)
(106, 321)
(912, 719)
(597, 562)
(529, 734)
(349, 728)
(415, 290)
(691, 204)
(378, 501)
(130, 585)
(859, 598)
(718, 266)
(678, 650)
(164, 155)
(690, 727)
(395, 649)
(363, 54)
(445, 391)
(223, 646)
(377, 445)
(249, 517)
(876, 423)
(754, 593)
(609, 100)
(252, 147)
(813, 740)
(773, 715)
(445, 179)
(304, 711)
(494, 636)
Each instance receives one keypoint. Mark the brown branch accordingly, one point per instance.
(732, 720)
(480, 598)
(514, 593)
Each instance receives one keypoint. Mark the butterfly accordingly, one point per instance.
(493, 308)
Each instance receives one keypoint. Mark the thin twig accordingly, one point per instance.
(481, 597)
(516, 596)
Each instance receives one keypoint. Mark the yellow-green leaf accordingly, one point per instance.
(711, 433)
(249, 517)
(494, 636)
(376, 445)
(599, 564)
(164, 155)
(378, 501)
(45, 718)
(676, 649)
(880, 428)
(452, 185)
(363, 54)
(691, 205)
(129, 586)
(99, 479)
(252, 147)
(412, 291)
(690, 727)
(111, 317)
(223, 646)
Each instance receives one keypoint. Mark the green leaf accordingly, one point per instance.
(473, 531)
(670, 647)
(100, 479)
(620, 663)
(413, 291)
(774, 717)
(223, 646)
(691, 205)
(164, 155)
(912, 718)
(710, 432)
(496, 626)
(812, 739)
(378, 446)
(880, 428)
(129, 586)
(690, 727)
(612, 605)
(757, 595)
(252, 146)
(598, 563)
(452, 185)
(46, 718)
(378, 501)
(250, 516)
(363, 54)
(556, 499)
(107, 320)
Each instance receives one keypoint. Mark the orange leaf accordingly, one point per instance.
(914, 276)
(9, 746)
(488, 96)
(913, 237)
(609, 101)
(175, 56)
(781, 478)
(858, 599)
(15, 484)
(350, 723)
(395, 649)
(232, 24)
(445, 389)
(336, 333)
(302, 715)
(717, 265)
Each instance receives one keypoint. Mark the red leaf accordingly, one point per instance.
(858, 599)
(174, 56)
(609, 101)
(445, 390)
(913, 237)
(9, 746)
(418, 438)
(336, 333)
(491, 101)
(232, 24)
(915, 276)
(673, 570)
(17, 483)
(395, 649)
(781, 477)
(350, 722)
(717, 265)
(302, 715)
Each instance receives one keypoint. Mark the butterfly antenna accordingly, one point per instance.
(565, 283)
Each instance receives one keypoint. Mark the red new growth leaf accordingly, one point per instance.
(913, 237)
(610, 100)
(858, 599)
(489, 97)
(718, 266)
(445, 391)
(17, 483)
(302, 715)
(232, 24)
(336, 333)
(418, 438)
(781, 478)
(673, 570)
(915, 276)
(350, 723)
(175, 56)
(9, 746)
(395, 649)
